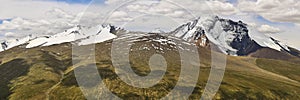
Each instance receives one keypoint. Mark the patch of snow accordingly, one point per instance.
(60, 39)
(285, 46)
(1, 48)
(87, 35)
(263, 40)
(16, 42)
(104, 35)
(37, 42)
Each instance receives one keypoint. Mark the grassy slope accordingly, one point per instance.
(284, 68)
(41, 69)
(31, 73)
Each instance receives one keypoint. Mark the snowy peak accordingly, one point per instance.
(79, 34)
(230, 37)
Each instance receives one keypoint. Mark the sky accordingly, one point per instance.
(19, 18)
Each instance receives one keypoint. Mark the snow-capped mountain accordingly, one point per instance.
(82, 36)
(230, 37)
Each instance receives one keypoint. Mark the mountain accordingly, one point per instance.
(224, 35)
(43, 68)
(79, 34)
(47, 72)
(230, 37)
(257, 67)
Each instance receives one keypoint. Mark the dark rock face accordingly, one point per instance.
(245, 46)
(4, 45)
(242, 41)
(113, 29)
(294, 52)
(238, 31)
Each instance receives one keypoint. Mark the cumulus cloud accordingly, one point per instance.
(138, 7)
(34, 9)
(268, 29)
(119, 17)
(223, 8)
(10, 34)
(118, 14)
(59, 13)
(154, 7)
(56, 21)
(36, 17)
(273, 10)
(182, 9)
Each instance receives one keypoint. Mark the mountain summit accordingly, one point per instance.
(230, 37)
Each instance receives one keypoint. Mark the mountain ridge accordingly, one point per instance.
(225, 35)
(232, 38)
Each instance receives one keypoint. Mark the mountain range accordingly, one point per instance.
(225, 35)
(258, 66)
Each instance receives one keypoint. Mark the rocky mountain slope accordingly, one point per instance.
(230, 37)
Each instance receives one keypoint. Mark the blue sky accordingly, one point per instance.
(1, 20)
(232, 1)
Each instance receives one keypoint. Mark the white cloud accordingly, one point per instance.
(10, 34)
(119, 16)
(34, 9)
(59, 13)
(109, 2)
(222, 7)
(182, 9)
(177, 14)
(268, 29)
(138, 7)
(56, 21)
(154, 7)
(152, 22)
(273, 10)
(36, 17)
